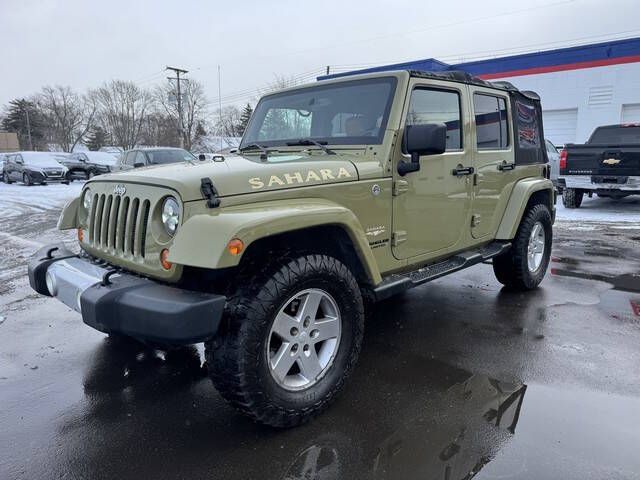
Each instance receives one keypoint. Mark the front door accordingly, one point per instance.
(431, 207)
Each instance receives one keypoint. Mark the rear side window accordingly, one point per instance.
(438, 106)
(492, 128)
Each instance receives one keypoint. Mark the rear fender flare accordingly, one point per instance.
(518, 203)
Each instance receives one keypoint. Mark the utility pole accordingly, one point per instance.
(177, 79)
(29, 129)
(220, 105)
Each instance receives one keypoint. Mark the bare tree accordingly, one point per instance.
(123, 107)
(229, 122)
(69, 115)
(194, 107)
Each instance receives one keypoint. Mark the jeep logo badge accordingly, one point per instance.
(119, 190)
(611, 161)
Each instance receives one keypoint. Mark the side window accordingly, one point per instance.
(128, 158)
(438, 106)
(492, 127)
(140, 158)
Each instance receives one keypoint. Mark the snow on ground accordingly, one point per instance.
(601, 210)
(17, 199)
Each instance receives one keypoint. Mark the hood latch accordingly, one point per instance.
(209, 192)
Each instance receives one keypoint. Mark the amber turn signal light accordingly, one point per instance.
(235, 246)
(164, 255)
(80, 235)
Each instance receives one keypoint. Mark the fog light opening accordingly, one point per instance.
(51, 284)
(164, 255)
(235, 246)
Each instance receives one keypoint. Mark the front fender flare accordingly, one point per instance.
(518, 202)
(202, 240)
(69, 216)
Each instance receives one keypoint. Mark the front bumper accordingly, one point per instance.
(600, 182)
(117, 302)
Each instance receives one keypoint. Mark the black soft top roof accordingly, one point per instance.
(465, 77)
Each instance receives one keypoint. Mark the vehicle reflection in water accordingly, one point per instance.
(159, 416)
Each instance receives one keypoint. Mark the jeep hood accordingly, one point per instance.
(238, 175)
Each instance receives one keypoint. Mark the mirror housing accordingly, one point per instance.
(418, 140)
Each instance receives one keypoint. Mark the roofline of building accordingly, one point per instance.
(615, 52)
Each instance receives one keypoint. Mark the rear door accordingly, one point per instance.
(431, 207)
(494, 158)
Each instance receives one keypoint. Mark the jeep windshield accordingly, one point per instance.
(345, 113)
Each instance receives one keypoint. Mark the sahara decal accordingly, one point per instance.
(294, 178)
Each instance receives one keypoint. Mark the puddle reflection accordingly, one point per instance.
(159, 415)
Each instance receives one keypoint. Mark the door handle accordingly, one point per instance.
(506, 166)
(460, 170)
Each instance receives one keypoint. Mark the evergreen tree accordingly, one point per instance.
(244, 118)
(24, 118)
(96, 139)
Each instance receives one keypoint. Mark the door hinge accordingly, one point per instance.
(398, 237)
(475, 220)
(400, 187)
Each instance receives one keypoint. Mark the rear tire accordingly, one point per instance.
(523, 267)
(7, 180)
(281, 314)
(572, 198)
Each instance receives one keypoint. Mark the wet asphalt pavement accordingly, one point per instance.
(456, 378)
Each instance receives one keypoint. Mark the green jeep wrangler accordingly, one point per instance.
(343, 192)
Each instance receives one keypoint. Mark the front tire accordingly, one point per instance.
(572, 198)
(290, 337)
(523, 267)
(26, 179)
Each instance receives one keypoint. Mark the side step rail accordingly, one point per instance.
(397, 283)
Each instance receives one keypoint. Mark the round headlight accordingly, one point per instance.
(170, 215)
(86, 200)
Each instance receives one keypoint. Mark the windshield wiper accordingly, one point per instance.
(308, 141)
(253, 146)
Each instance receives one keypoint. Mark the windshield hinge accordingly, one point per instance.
(209, 192)
(400, 187)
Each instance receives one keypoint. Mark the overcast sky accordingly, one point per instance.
(85, 43)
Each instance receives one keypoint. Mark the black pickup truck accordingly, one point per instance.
(608, 164)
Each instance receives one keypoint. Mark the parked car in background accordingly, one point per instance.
(554, 161)
(34, 167)
(117, 151)
(3, 159)
(85, 165)
(608, 164)
(144, 157)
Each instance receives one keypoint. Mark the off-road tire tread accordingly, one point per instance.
(511, 268)
(572, 198)
(231, 355)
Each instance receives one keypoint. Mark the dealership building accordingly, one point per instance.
(581, 87)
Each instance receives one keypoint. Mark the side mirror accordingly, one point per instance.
(427, 139)
(202, 157)
(138, 165)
